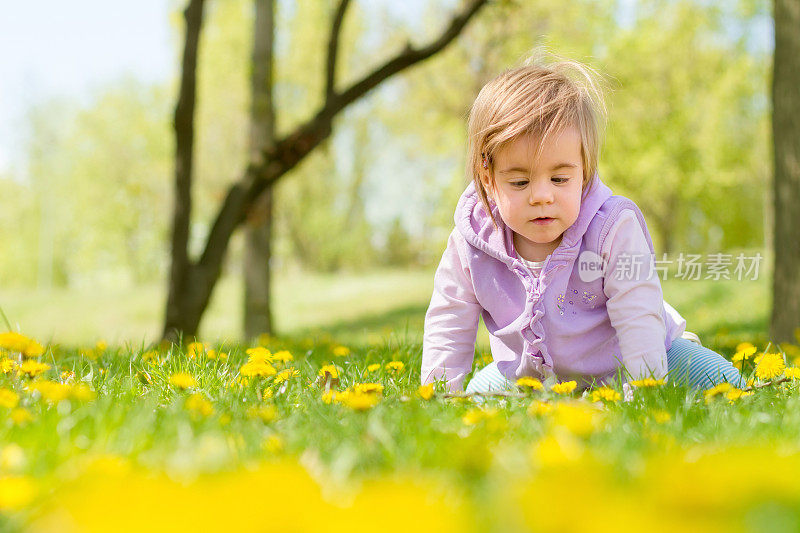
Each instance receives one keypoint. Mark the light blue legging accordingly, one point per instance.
(688, 364)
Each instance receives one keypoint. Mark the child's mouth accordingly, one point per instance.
(542, 220)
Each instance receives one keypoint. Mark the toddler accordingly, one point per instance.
(561, 270)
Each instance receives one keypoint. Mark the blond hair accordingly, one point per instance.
(536, 99)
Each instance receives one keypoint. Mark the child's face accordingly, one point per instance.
(526, 190)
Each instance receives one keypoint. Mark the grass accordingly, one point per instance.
(249, 453)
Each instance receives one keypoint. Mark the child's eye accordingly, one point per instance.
(560, 179)
(520, 183)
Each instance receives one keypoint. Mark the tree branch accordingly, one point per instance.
(333, 47)
(287, 152)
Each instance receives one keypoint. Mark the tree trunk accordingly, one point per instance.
(786, 189)
(182, 296)
(258, 226)
(191, 283)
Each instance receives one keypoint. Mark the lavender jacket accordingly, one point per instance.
(558, 323)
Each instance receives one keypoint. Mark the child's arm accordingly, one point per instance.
(635, 301)
(451, 323)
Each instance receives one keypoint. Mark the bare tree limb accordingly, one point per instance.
(333, 47)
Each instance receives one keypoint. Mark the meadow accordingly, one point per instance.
(327, 427)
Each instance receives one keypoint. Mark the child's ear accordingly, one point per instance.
(486, 181)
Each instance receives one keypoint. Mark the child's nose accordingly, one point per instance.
(540, 193)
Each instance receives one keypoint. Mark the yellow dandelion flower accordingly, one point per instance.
(266, 394)
(20, 416)
(359, 401)
(329, 371)
(329, 397)
(426, 391)
(475, 416)
(373, 367)
(367, 388)
(660, 416)
(16, 342)
(199, 406)
(792, 372)
(769, 365)
(182, 380)
(196, 349)
(285, 375)
(395, 366)
(150, 355)
(261, 369)
(564, 387)
(746, 348)
(734, 394)
(101, 346)
(16, 492)
(7, 365)
(82, 392)
(530, 383)
(33, 368)
(555, 450)
(265, 413)
(258, 354)
(50, 390)
(647, 382)
(8, 398)
(341, 351)
(538, 408)
(716, 390)
(606, 394)
(579, 418)
(282, 356)
(67, 375)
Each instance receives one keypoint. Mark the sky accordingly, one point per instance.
(69, 49)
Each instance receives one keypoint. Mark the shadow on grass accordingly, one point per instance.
(406, 321)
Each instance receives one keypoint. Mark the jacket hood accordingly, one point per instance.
(477, 228)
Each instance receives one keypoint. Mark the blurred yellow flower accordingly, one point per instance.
(426, 391)
(792, 372)
(8, 398)
(769, 365)
(538, 408)
(196, 349)
(33, 368)
(329, 396)
(16, 492)
(476, 415)
(734, 394)
(257, 369)
(81, 392)
(50, 390)
(395, 366)
(564, 387)
(359, 401)
(20, 416)
(557, 449)
(214, 354)
(197, 405)
(273, 444)
(182, 380)
(578, 417)
(265, 413)
(282, 356)
(530, 383)
(341, 351)
(373, 367)
(660, 416)
(606, 394)
(16, 342)
(150, 355)
(365, 388)
(647, 382)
